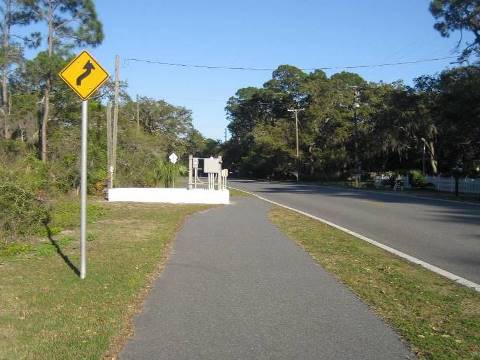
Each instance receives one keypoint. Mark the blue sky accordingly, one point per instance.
(261, 33)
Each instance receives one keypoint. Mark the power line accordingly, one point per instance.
(211, 67)
(247, 68)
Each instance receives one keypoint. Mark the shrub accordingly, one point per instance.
(166, 172)
(417, 179)
(22, 168)
(21, 213)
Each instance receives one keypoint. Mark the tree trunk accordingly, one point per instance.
(48, 85)
(311, 164)
(46, 113)
(433, 161)
(6, 61)
(109, 145)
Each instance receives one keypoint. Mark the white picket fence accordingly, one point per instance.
(465, 185)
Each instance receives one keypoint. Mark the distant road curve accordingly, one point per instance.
(445, 234)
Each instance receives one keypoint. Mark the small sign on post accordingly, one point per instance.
(173, 158)
(84, 75)
(195, 163)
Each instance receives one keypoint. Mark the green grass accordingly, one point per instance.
(14, 249)
(47, 312)
(235, 192)
(440, 319)
(64, 212)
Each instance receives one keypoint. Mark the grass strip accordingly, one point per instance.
(237, 193)
(439, 319)
(47, 312)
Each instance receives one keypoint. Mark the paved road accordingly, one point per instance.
(443, 233)
(236, 288)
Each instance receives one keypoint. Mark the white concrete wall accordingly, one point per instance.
(172, 196)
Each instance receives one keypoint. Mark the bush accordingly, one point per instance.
(21, 213)
(417, 179)
(166, 173)
(21, 167)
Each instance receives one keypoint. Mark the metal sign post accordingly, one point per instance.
(83, 192)
(84, 75)
(173, 159)
(190, 170)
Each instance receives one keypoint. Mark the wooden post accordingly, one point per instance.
(115, 117)
(219, 174)
(138, 115)
(190, 170)
(109, 145)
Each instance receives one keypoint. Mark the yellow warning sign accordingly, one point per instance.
(84, 75)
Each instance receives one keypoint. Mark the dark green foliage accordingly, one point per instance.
(37, 97)
(145, 146)
(21, 213)
(458, 15)
(348, 122)
(75, 20)
(138, 153)
(20, 166)
(349, 125)
(417, 179)
(23, 185)
(165, 173)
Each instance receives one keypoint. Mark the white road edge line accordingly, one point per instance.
(414, 260)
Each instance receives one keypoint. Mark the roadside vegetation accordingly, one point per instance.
(237, 193)
(46, 309)
(350, 126)
(438, 318)
(40, 122)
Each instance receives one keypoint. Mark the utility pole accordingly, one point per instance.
(296, 111)
(355, 122)
(423, 158)
(115, 117)
(138, 115)
(109, 145)
(356, 105)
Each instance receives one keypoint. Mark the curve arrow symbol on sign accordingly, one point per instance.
(88, 69)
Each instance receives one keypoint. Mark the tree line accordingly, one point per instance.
(40, 119)
(39, 114)
(349, 126)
